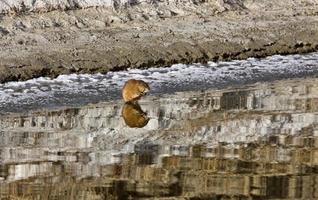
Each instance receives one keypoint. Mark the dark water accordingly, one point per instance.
(250, 142)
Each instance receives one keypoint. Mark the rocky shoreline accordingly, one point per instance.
(36, 43)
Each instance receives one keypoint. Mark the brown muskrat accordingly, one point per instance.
(134, 89)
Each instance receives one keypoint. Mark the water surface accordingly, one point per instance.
(252, 142)
(224, 137)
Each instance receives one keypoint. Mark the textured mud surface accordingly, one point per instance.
(49, 40)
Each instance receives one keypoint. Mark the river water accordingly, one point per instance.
(229, 130)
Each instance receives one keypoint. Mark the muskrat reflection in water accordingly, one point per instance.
(134, 116)
(134, 89)
(132, 113)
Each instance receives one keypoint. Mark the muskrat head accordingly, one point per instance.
(143, 87)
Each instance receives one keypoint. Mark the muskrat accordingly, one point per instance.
(134, 89)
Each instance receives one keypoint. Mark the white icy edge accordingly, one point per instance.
(176, 76)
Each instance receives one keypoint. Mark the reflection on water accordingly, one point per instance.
(134, 116)
(254, 142)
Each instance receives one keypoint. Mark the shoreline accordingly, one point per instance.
(77, 90)
(63, 42)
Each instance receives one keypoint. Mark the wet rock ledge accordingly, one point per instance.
(48, 38)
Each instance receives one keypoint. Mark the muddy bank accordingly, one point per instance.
(85, 39)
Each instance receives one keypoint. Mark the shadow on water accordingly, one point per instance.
(252, 142)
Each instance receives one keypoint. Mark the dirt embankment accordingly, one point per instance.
(51, 39)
